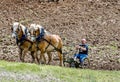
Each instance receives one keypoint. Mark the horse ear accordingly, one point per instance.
(11, 29)
(19, 26)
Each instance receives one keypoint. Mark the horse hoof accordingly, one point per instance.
(42, 62)
(48, 63)
(61, 65)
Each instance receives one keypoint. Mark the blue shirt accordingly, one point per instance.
(83, 52)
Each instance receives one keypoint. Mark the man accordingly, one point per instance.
(83, 51)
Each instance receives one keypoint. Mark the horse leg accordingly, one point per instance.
(49, 57)
(37, 56)
(44, 58)
(20, 54)
(23, 55)
(60, 52)
(60, 57)
(33, 57)
(42, 55)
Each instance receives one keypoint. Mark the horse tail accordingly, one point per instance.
(60, 45)
(60, 52)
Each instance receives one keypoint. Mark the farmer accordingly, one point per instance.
(83, 51)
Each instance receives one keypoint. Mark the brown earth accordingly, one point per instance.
(96, 20)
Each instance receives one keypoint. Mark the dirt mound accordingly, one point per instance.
(96, 20)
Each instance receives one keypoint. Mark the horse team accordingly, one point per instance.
(37, 41)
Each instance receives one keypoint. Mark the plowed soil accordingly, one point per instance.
(96, 20)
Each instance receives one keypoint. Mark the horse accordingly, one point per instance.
(46, 42)
(20, 33)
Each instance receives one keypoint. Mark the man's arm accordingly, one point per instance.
(82, 48)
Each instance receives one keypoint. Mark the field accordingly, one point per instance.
(26, 72)
(96, 20)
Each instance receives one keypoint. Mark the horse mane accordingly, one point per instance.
(23, 28)
(17, 24)
(47, 33)
(40, 27)
(32, 26)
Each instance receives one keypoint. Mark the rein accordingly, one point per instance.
(52, 45)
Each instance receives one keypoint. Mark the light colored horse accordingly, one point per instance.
(46, 42)
(19, 32)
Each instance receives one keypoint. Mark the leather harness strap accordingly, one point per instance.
(52, 45)
(48, 45)
(20, 43)
(30, 42)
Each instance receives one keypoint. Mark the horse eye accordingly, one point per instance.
(17, 30)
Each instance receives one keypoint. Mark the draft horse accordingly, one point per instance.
(19, 32)
(46, 42)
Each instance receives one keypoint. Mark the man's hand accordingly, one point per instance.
(82, 48)
(78, 47)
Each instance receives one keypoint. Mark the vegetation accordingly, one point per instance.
(53, 73)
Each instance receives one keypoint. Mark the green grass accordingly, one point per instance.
(62, 73)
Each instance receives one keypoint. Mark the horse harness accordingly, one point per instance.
(49, 43)
(20, 41)
(41, 38)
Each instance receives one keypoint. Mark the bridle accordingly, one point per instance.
(33, 35)
(14, 32)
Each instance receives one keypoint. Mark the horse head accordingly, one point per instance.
(32, 32)
(35, 31)
(18, 30)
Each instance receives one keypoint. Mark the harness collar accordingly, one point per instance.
(22, 39)
(41, 35)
